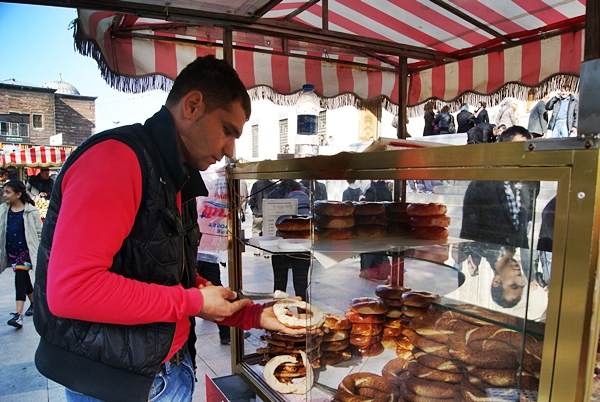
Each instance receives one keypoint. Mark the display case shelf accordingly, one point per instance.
(560, 321)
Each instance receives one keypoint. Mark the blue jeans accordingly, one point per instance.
(560, 129)
(173, 383)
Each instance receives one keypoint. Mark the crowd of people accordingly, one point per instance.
(554, 115)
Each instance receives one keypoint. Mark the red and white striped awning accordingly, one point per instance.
(467, 45)
(41, 156)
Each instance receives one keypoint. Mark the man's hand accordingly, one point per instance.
(219, 304)
(269, 321)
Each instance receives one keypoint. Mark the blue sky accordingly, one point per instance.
(37, 46)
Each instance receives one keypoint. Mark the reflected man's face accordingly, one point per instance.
(512, 279)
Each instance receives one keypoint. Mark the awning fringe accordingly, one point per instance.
(88, 47)
(510, 90)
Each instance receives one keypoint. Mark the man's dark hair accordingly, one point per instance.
(3, 171)
(445, 109)
(511, 132)
(566, 87)
(350, 181)
(216, 79)
(483, 104)
(498, 297)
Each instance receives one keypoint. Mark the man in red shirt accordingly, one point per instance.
(116, 284)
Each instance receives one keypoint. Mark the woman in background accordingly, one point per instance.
(20, 238)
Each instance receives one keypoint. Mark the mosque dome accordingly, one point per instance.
(63, 87)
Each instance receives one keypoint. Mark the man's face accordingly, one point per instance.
(212, 136)
(513, 281)
(45, 174)
(498, 131)
(565, 93)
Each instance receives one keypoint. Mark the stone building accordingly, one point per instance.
(30, 114)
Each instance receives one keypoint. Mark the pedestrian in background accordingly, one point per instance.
(538, 118)
(20, 229)
(565, 114)
(481, 114)
(464, 119)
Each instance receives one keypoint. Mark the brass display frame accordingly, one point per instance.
(570, 340)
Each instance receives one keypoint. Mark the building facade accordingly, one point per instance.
(55, 114)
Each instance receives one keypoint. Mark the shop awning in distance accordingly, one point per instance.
(41, 156)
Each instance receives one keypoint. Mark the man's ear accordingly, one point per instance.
(496, 281)
(193, 105)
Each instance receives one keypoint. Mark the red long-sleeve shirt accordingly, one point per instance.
(102, 192)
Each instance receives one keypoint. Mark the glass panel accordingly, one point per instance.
(481, 311)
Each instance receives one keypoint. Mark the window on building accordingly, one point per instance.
(322, 129)
(23, 130)
(4, 127)
(255, 141)
(283, 134)
(37, 121)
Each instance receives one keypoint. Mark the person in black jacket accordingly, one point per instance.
(496, 215)
(429, 116)
(484, 133)
(538, 118)
(464, 119)
(444, 120)
(320, 189)
(134, 343)
(565, 114)
(481, 114)
(353, 192)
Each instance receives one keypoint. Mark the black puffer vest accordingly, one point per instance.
(118, 362)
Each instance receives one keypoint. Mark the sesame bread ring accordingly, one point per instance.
(293, 223)
(335, 335)
(335, 345)
(368, 305)
(416, 209)
(368, 351)
(293, 234)
(429, 233)
(425, 373)
(348, 390)
(336, 322)
(333, 358)
(370, 219)
(394, 368)
(334, 222)
(427, 221)
(315, 319)
(420, 299)
(432, 389)
(357, 318)
(363, 341)
(368, 208)
(301, 387)
(333, 208)
(369, 231)
(397, 228)
(334, 234)
(366, 329)
(392, 207)
(391, 291)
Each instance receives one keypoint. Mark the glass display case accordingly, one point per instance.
(509, 298)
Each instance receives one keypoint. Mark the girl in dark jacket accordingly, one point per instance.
(443, 120)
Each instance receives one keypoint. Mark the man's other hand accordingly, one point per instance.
(269, 321)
